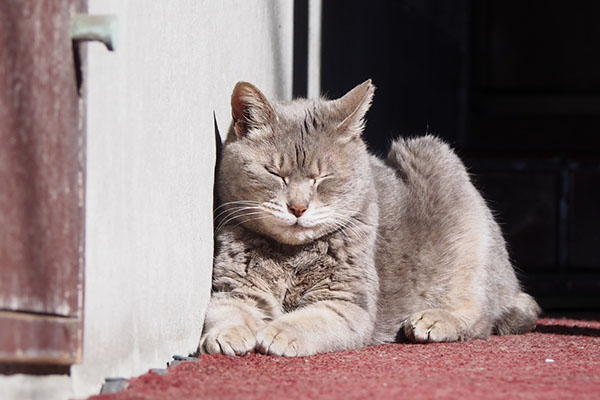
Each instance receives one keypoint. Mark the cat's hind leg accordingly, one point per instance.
(440, 325)
(519, 318)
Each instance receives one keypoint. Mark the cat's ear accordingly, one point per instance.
(250, 109)
(353, 107)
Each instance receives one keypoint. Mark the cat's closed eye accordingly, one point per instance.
(317, 179)
(277, 174)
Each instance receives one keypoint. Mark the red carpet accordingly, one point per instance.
(560, 360)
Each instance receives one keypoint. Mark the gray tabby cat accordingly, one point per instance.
(323, 247)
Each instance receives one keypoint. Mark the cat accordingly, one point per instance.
(321, 246)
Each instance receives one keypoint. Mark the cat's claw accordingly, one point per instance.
(277, 339)
(233, 341)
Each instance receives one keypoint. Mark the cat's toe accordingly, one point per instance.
(282, 345)
(233, 341)
(276, 340)
(416, 332)
(209, 345)
(264, 338)
(432, 326)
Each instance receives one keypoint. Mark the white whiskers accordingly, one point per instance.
(325, 218)
(243, 211)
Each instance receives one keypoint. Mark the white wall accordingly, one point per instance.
(150, 168)
(150, 158)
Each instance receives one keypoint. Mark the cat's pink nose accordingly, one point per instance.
(297, 210)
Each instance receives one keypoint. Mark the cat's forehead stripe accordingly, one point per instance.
(314, 116)
(306, 129)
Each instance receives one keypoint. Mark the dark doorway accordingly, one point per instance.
(515, 88)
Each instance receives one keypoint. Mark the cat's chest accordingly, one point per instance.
(293, 274)
(302, 279)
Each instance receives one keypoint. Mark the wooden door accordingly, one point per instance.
(534, 123)
(42, 178)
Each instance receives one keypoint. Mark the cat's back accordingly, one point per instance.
(421, 181)
(427, 164)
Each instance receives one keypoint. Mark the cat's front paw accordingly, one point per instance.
(278, 338)
(233, 341)
(435, 325)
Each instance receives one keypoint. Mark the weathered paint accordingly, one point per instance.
(42, 176)
(41, 212)
(39, 339)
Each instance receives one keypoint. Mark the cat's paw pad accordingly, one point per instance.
(277, 338)
(233, 341)
(432, 326)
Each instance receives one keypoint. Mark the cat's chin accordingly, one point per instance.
(294, 234)
(291, 231)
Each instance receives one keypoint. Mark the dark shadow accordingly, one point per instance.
(34, 369)
(300, 56)
(579, 315)
(401, 337)
(568, 330)
(547, 329)
(416, 52)
(218, 150)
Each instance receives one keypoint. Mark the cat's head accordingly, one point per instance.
(295, 171)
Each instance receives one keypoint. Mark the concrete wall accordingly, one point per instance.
(150, 174)
(150, 168)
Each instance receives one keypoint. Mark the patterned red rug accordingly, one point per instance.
(561, 360)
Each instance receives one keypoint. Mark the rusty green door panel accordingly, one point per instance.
(42, 178)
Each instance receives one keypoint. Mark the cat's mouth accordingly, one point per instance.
(289, 224)
(297, 234)
(294, 232)
(302, 225)
(297, 225)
